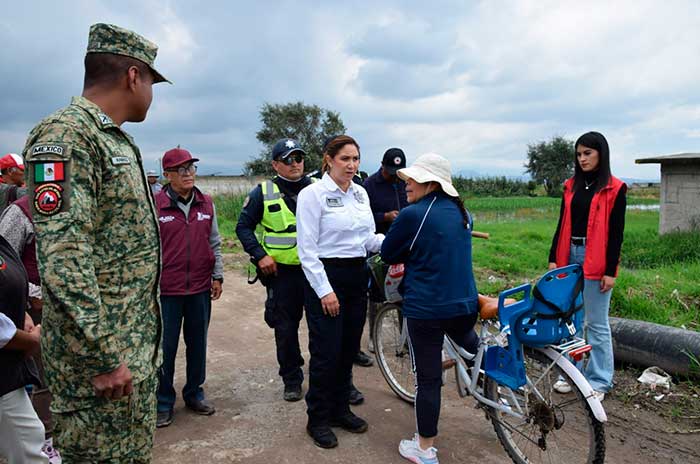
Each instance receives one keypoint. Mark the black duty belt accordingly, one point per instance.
(344, 262)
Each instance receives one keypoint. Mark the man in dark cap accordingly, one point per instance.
(387, 196)
(273, 204)
(97, 240)
(387, 193)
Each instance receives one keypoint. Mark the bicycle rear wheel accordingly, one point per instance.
(557, 428)
(392, 352)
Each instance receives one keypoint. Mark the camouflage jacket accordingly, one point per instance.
(98, 249)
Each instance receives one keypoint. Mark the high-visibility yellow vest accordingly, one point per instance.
(279, 237)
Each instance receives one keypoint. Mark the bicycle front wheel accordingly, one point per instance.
(555, 428)
(392, 351)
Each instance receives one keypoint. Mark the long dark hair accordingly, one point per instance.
(332, 146)
(460, 204)
(596, 141)
(465, 215)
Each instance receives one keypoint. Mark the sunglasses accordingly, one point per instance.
(293, 158)
(184, 170)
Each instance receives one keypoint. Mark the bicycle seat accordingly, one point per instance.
(552, 316)
(556, 291)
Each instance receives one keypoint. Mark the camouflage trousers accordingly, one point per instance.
(118, 431)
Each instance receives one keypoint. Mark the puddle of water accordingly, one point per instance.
(644, 207)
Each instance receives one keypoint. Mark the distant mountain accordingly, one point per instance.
(632, 180)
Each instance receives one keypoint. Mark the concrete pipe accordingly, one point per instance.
(645, 344)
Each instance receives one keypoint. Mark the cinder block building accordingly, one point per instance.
(680, 191)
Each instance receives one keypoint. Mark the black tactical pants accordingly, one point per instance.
(283, 311)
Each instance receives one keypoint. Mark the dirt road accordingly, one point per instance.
(254, 425)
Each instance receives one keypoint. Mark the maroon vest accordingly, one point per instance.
(188, 260)
(29, 253)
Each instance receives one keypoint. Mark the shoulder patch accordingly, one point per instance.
(49, 171)
(48, 199)
(47, 149)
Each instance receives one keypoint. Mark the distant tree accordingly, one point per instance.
(308, 124)
(551, 163)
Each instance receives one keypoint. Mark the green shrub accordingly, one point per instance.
(492, 186)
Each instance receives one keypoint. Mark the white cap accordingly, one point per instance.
(431, 167)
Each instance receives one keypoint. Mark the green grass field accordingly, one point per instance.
(658, 279)
(658, 275)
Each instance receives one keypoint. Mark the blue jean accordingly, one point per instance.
(600, 367)
(195, 312)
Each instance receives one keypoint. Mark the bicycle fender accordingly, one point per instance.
(580, 381)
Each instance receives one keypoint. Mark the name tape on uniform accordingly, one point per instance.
(119, 160)
(334, 202)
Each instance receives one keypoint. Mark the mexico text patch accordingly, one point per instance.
(47, 150)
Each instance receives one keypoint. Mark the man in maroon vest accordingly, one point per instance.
(192, 276)
(17, 227)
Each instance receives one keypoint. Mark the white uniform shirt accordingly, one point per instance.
(7, 330)
(333, 224)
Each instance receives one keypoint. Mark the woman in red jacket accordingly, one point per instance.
(590, 232)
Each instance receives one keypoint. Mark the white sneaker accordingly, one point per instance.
(562, 386)
(370, 346)
(411, 450)
(51, 452)
(600, 396)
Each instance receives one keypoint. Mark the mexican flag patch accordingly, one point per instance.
(48, 172)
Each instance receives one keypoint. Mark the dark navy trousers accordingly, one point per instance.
(284, 309)
(191, 313)
(334, 341)
(426, 336)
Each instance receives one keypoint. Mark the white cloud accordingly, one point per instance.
(476, 81)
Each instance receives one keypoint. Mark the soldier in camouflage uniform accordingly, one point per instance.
(99, 254)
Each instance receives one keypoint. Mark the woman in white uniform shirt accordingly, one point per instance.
(335, 230)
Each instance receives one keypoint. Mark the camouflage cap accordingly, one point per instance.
(108, 38)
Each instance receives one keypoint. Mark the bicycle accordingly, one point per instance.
(521, 354)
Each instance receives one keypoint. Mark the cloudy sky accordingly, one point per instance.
(473, 81)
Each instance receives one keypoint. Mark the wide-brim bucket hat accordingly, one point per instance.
(431, 167)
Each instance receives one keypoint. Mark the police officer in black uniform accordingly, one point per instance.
(273, 206)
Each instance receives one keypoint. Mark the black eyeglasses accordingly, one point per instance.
(184, 170)
(293, 158)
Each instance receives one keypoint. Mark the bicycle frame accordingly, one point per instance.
(557, 354)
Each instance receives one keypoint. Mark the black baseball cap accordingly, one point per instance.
(285, 147)
(393, 160)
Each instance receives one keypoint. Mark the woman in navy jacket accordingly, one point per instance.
(432, 237)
